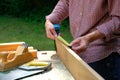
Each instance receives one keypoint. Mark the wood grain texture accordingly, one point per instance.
(77, 67)
(17, 54)
(16, 61)
(10, 46)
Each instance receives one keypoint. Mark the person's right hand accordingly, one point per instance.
(50, 31)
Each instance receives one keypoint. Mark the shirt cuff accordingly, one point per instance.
(106, 30)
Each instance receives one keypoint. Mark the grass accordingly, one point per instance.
(33, 33)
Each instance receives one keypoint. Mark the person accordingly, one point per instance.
(95, 27)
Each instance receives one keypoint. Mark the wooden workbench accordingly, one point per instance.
(66, 65)
(74, 66)
(58, 71)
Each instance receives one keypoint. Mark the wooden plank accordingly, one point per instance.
(33, 52)
(10, 46)
(12, 53)
(77, 67)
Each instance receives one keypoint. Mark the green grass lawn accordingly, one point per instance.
(33, 33)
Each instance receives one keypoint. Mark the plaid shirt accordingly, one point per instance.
(89, 15)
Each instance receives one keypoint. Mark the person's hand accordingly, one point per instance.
(79, 44)
(50, 31)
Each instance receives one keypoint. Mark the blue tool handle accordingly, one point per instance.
(57, 28)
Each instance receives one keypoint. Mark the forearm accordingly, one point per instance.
(110, 27)
(94, 36)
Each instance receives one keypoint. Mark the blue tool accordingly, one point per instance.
(57, 28)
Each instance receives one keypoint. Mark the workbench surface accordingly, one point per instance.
(58, 71)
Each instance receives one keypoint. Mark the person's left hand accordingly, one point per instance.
(79, 44)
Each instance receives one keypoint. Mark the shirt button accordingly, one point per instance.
(81, 13)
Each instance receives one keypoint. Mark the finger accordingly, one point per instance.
(53, 32)
(74, 42)
(49, 35)
(79, 48)
(50, 32)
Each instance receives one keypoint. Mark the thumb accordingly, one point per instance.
(53, 32)
(74, 42)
